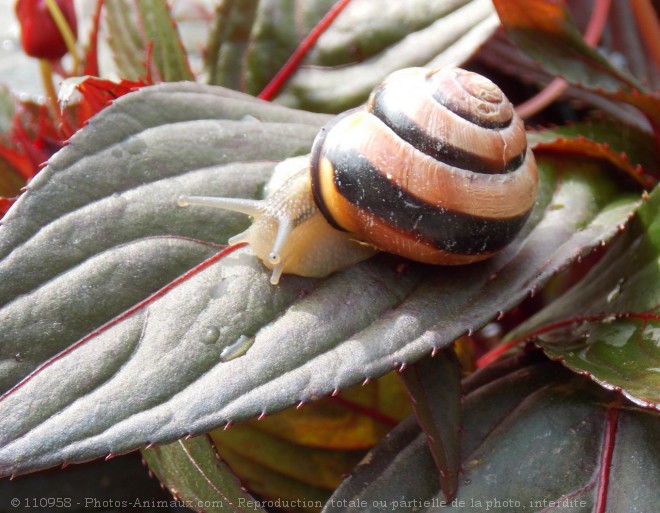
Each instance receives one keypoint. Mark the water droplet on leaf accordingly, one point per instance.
(238, 348)
(211, 335)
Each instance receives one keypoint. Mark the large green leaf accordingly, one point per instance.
(366, 42)
(200, 480)
(95, 210)
(154, 373)
(608, 324)
(125, 39)
(145, 41)
(434, 385)
(532, 436)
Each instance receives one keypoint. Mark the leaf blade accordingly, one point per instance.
(434, 385)
(193, 469)
(160, 369)
(548, 34)
(162, 37)
(553, 414)
(606, 325)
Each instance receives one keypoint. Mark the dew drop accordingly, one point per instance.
(238, 348)
(211, 335)
(119, 202)
(18, 357)
(135, 145)
(219, 289)
(614, 293)
(491, 330)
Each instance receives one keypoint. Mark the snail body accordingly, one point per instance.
(434, 168)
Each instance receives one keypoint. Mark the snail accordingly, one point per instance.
(435, 168)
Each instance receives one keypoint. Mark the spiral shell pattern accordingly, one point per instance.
(435, 168)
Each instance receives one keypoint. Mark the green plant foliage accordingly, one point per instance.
(310, 449)
(146, 31)
(547, 33)
(522, 432)
(607, 325)
(116, 184)
(252, 40)
(201, 479)
(434, 384)
(116, 303)
(128, 47)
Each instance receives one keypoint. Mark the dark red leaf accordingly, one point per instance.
(36, 137)
(545, 30)
(98, 93)
(434, 386)
(5, 203)
(91, 55)
(19, 161)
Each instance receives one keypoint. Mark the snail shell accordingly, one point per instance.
(434, 168)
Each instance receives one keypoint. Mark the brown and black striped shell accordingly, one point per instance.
(435, 168)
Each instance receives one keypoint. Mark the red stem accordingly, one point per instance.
(607, 450)
(277, 82)
(496, 352)
(555, 88)
(649, 26)
(597, 22)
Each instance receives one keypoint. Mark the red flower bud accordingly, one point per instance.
(40, 36)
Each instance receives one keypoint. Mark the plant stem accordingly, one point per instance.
(273, 87)
(46, 71)
(555, 88)
(65, 31)
(649, 26)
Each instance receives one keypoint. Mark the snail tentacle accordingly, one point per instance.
(248, 207)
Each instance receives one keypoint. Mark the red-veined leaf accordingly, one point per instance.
(81, 242)
(608, 324)
(198, 478)
(545, 30)
(367, 41)
(535, 437)
(434, 385)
